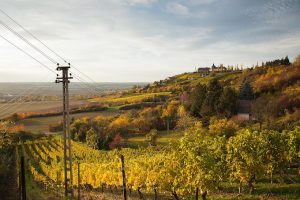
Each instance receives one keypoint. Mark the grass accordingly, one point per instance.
(262, 191)
(41, 124)
(164, 138)
(35, 106)
(134, 98)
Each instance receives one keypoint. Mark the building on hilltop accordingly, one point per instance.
(204, 71)
(221, 68)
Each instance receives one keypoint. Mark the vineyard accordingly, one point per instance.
(98, 169)
(162, 173)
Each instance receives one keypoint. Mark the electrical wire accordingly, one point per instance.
(22, 50)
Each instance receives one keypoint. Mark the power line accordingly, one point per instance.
(45, 45)
(19, 48)
(27, 42)
(32, 35)
(42, 52)
(27, 54)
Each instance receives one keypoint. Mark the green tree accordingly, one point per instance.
(227, 103)
(196, 100)
(211, 101)
(214, 86)
(79, 128)
(208, 106)
(246, 91)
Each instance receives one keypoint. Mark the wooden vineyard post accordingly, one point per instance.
(124, 178)
(197, 193)
(23, 181)
(78, 181)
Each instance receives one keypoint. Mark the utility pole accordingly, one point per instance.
(64, 79)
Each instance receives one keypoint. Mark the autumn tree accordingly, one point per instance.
(151, 137)
(245, 157)
(277, 156)
(265, 109)
(185, 120)
(92, 138)
(120, 125)
(296, 63)
(222, 127)
(169, 114)
(204, 161)
(116, 141)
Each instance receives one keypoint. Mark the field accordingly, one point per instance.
(132, 98)
(36, 106)
(41, 124)
(164, 138)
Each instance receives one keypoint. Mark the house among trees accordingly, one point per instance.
(244, 103)
(244, 109)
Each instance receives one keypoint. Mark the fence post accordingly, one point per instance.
(124, 178)
(197, 193)
(78, 181)
(23, 181)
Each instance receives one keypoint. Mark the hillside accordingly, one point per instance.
(182, 137)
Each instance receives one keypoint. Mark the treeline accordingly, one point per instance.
(283, 61)
(274, 80)
(106, 132)
(212, 100)
(86, 108)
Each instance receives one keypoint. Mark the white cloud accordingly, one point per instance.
(177, 9)
(141, 2)
(112, 41)
(199, 2)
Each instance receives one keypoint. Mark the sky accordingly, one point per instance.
(145, 40)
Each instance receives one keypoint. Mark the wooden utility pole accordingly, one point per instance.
(124, 178)
(23, 181)
(64, 79)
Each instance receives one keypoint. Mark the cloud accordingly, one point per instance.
(177, 9)
(270, 12)
(147, 40)
(141, 2)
